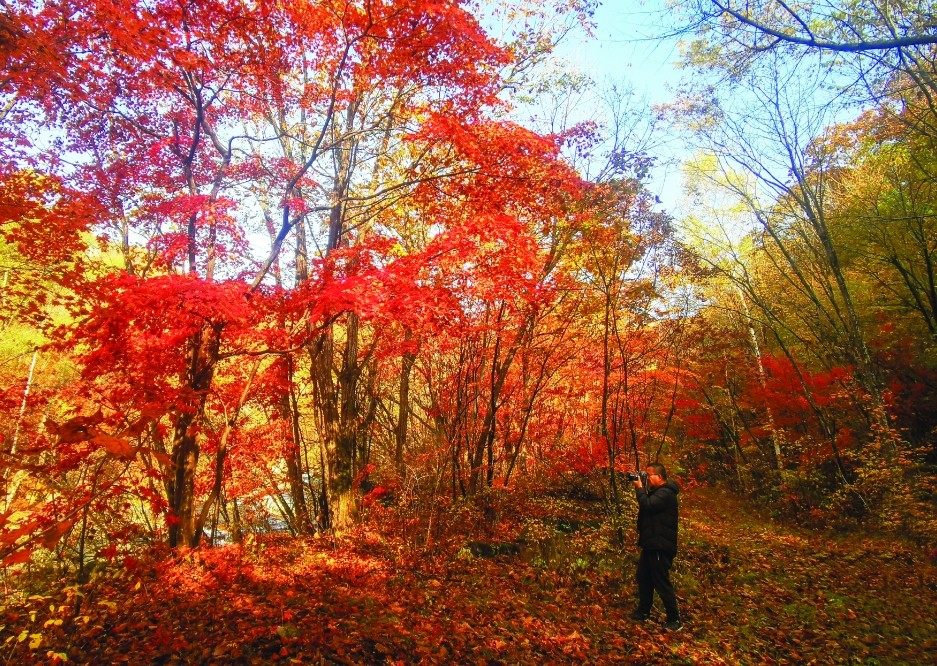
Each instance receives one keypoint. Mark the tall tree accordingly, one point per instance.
(786, 188)
(874, 27)
(163, 118)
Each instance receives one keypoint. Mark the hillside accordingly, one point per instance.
(752, 592)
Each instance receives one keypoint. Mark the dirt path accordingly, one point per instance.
(759, 592)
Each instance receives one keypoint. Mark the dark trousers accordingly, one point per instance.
(654, 574)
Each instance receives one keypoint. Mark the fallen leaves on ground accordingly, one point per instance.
(752, 592)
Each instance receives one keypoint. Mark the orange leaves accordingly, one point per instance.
(115, 446)
(361, 599)
(51, 536)
(24, 532)
(84, 429)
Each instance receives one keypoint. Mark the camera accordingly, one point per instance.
(634, 476)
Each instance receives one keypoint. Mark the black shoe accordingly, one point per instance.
(674, 625)
(638, 616)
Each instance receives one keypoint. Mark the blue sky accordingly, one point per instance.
(626, 48)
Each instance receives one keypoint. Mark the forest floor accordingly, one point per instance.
(752, 591)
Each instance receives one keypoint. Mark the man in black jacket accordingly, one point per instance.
(657, 537)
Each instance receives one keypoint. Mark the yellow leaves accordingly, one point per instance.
(16, 517)
(35, 640)
(287, 631)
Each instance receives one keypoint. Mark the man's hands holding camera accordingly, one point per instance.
(637, 478)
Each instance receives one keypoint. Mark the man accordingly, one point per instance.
(657, 538)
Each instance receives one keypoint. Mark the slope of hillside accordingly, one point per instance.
(752, 592)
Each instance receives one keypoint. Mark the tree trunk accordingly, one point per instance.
(20, 475)
(295, 468)
(335, 395)
(185, 448)
(220, 457)
(776, 436)
(237, 533)
(403, 414)
(185, 455)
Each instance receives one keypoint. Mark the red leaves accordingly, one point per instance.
(44, 220)
(441, 218)
(19, 557)
(137, 340)
(162, 458)
(441, 41)
(370, 599)
(77, 429)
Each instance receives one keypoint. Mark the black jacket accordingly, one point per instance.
(657, 517)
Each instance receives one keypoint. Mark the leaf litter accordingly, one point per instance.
(752, 592)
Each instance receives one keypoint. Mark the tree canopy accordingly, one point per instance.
(306, 267)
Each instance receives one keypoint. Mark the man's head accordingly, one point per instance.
(656, 475)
